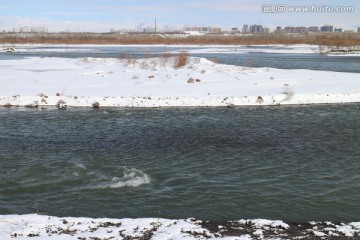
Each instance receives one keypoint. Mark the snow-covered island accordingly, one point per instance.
(158, 82)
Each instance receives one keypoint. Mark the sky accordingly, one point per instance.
(103, 15)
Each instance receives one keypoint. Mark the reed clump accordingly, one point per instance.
(181, 59)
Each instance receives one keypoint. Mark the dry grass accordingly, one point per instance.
(127, 59)
(325, 39)
(181, 59)
(164, 58)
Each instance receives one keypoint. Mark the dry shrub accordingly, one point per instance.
(144, 65)
(149, 55)
(249, 63)
(181, 59)
(7, 105)
(127, 59)
(164, 58)
(154, 63)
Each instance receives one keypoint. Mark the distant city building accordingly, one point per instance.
(358, 29)
(279, 30)
(327, 28)
(148, 29)
(28, 29)
(266, 30)
(296, 29)
(313, 29)
(256, 28)
(203, 29)
(234, 29)
(339, 30)
(216, 30)
(245, 29)
(289, 29)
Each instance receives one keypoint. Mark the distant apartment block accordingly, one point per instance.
(216, 30)
(327, 28)
(358, 30)
(148, 30)
(245, 29)
(266, 30)
(203, 29)
(256, 28)
(279, 30)
(313, 29)
(296, 29)
(28, 29)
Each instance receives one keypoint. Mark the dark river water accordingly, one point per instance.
(246, 56)
(295, 163)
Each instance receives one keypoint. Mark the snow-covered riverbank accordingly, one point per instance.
(34, 226)
(155, 82)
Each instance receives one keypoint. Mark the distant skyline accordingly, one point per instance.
(101, 16)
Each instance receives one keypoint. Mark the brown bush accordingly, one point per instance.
(7, 105)
(181, 59)
(164, 58)
(127, 59)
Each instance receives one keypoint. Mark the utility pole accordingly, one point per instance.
(155, 24)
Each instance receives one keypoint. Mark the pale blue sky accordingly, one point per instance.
(101, 15)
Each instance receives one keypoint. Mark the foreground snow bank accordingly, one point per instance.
(155, 82)
(34, 226)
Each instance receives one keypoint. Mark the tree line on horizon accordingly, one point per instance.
(325, 39)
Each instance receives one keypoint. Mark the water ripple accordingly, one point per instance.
(293, 163)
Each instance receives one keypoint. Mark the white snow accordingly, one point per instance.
(319, 234)
(34, 226)
(347, 230)
(39, 227)
(345, 55)
(156, 83)
(230, 49)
